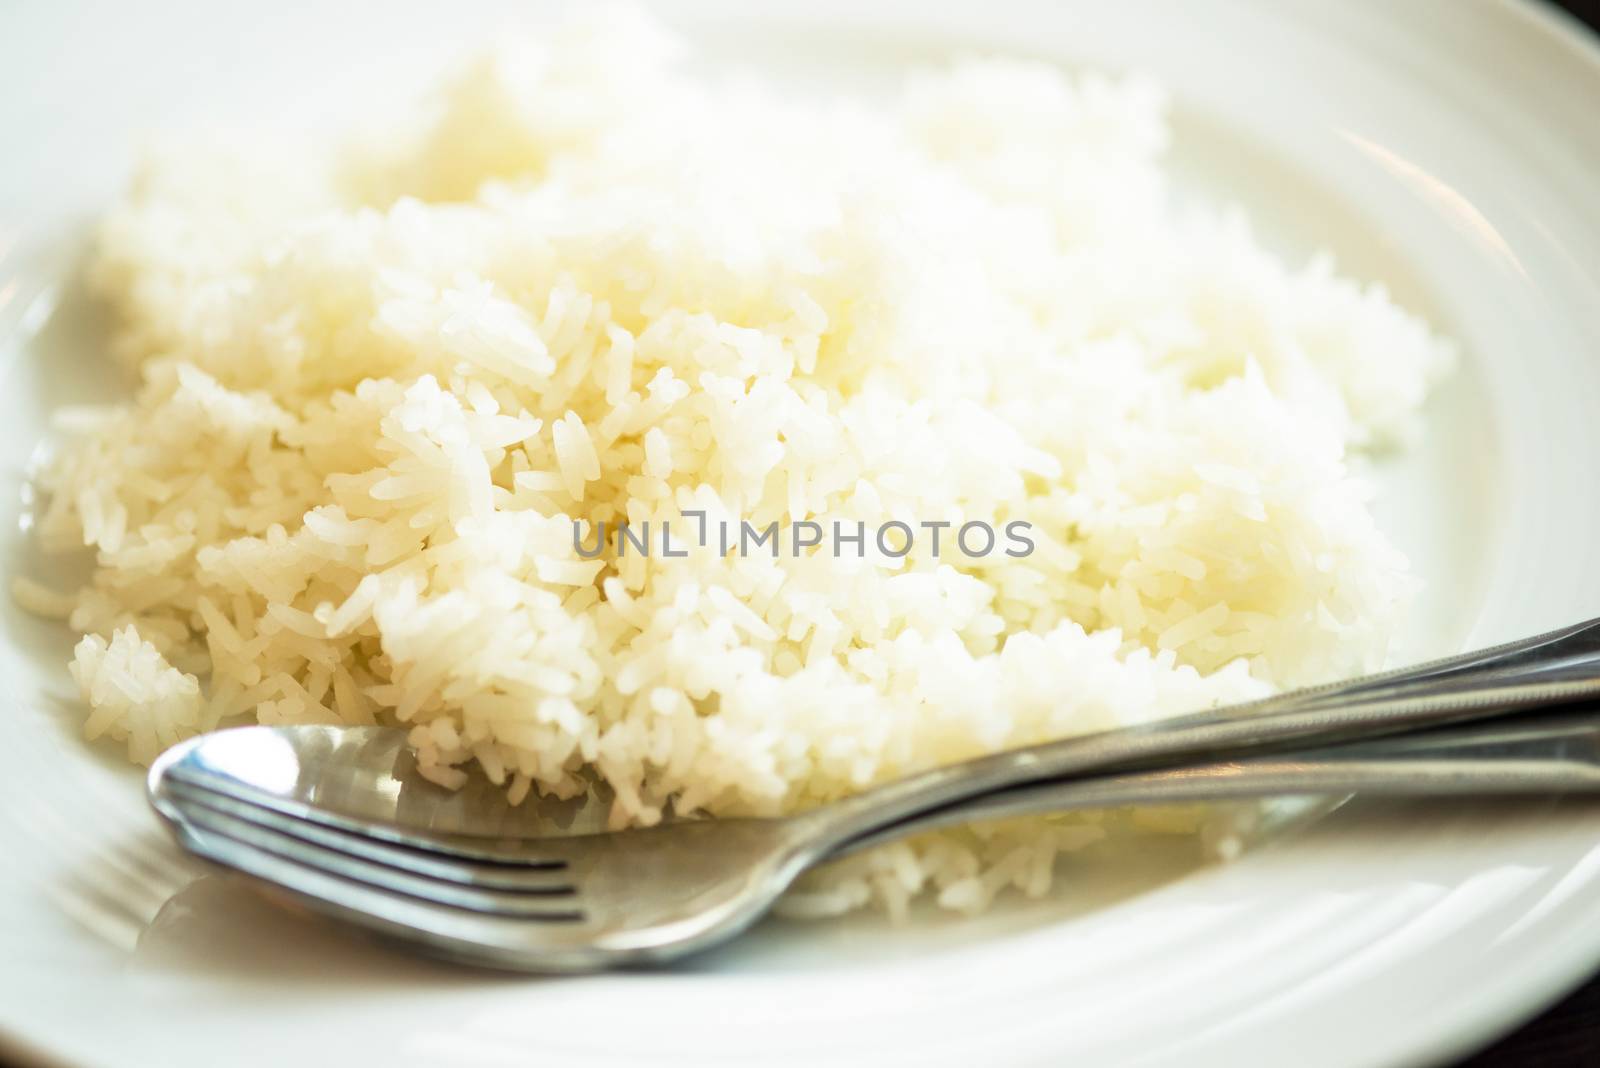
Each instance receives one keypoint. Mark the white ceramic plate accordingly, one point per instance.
(1448, 148)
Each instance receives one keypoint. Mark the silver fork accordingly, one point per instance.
(267, 802)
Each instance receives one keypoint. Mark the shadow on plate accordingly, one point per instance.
(211, 924)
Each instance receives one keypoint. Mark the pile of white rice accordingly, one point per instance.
(379, 384)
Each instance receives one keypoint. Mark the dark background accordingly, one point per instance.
(1567, 1035)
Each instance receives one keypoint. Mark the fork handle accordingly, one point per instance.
(1562, 666)
(1544, 755)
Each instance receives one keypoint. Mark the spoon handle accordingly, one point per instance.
(1562, 666)
(1544, 755)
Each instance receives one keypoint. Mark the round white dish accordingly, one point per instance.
(1447, 148)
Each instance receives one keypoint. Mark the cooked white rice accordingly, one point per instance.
(380, 383)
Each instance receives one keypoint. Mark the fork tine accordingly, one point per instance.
(506, 942)
(506, 852)
(380, 877)
(539, 880)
